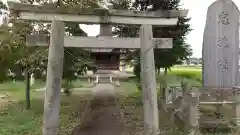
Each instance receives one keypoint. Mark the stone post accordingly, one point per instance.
(54, 77)
(148, 82)
(193, 98)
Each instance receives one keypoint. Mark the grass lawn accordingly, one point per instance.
(16, 120)
(191, 73)
(16, 90)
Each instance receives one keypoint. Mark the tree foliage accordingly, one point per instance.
(181, 50)
(164, 58)
(15, 56)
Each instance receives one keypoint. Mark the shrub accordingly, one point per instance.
(67, 85)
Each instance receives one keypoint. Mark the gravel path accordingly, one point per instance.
(103, 116)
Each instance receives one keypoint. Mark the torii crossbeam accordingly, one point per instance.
(99, 42)
(50, 13)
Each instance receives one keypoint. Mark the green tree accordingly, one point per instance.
(5, 52)
(20, 56)
(180, 51)
(5, 48)
(76, 60)
(3, 6)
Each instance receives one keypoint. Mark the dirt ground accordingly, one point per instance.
(103, 116)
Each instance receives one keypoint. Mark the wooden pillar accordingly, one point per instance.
(54, 76)
(148, 82)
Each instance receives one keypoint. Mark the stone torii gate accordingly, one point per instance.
(57, 41)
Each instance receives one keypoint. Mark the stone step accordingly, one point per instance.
(104, 81)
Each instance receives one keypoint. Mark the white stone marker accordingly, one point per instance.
(221, 49)
(221, 46)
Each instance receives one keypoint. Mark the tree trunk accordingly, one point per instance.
(27, 81)
(158, 71)
(165, 71)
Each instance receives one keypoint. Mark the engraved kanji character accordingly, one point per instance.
(223, 65)
(223, 18)
(223, 42)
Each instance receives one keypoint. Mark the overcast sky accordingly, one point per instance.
(197, 11)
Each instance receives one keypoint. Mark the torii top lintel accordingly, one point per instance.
(49, 12)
